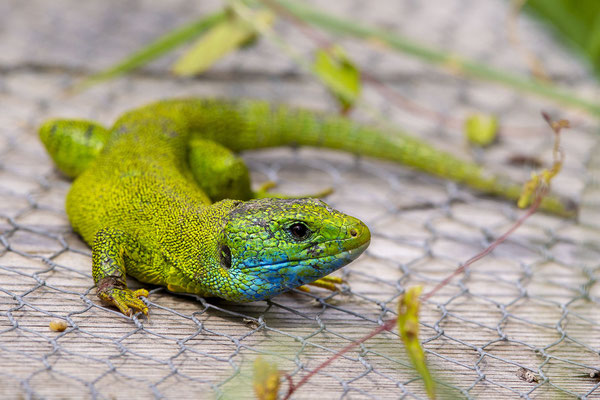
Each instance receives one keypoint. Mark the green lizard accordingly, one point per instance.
(162, 196)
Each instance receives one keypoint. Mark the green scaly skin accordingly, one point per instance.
(144, 191)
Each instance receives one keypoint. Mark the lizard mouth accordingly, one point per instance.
(272, 278)
(337, 260)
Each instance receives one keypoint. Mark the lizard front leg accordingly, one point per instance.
(218, 171)
(221, 174)
(112, 250)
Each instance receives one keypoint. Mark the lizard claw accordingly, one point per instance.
(125, 299)
(327, 282)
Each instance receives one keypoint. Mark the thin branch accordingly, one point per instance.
(387, 325)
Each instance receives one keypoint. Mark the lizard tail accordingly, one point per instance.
(253, 124)
(244, 125)
(73, 144)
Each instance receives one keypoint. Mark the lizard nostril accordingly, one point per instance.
(353, 232)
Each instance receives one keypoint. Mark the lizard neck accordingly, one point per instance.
(192, 250)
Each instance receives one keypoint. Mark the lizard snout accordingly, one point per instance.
(357, 234)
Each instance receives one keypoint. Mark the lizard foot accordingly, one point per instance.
(263, 193)
(326, 282)
(126, 300)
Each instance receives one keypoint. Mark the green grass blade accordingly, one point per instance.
(408, 327)
(156, 49)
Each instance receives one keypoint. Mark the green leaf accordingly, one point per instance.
(481, 129)
(339, 74)
(223, 38)
(408, 326)
(156, 49)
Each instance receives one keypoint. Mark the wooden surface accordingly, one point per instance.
(533, 304)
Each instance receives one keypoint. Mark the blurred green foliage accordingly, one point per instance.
(339, 73)
(481, 129)
(577, 22)
(218, 41)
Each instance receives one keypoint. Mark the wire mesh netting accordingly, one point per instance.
(522, 322)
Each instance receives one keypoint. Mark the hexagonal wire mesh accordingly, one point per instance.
(522, 322)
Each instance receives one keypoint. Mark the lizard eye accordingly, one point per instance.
(299, 231)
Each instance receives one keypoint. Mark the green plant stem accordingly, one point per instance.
(434, 56)
(156, 49)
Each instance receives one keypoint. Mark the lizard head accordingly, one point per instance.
(269, 246)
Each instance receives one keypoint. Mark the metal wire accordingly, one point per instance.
(523, 322)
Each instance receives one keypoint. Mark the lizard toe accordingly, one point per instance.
(327, 282)
(125, 300)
